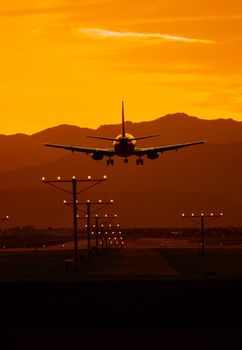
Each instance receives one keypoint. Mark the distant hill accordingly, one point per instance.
(20, 150)
(201, 178)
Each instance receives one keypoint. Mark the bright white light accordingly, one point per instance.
(73, 177)
(43, 178)
(89, 177)
(105, 177)
(58, 178)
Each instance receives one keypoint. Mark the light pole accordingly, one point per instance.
(202, 216)
(109, 218)
(74, 194)
(101, 204)
(4, 219)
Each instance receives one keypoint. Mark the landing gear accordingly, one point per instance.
(139, 161)
(126, 160)
(110, 161)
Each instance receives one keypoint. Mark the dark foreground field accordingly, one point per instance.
(122, 298)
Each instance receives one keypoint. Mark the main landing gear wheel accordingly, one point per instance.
(110, 161)
(139, 161)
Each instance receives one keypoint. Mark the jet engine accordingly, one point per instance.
(152, 154)
(97, 155)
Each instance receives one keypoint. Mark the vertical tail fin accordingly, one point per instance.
(123, 128)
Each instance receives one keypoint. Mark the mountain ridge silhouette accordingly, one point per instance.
(199, 178)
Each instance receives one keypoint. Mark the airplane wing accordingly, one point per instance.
(161, 149)
(104, 152)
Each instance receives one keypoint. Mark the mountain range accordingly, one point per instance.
(205, 178)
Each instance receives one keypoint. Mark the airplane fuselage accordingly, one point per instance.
(124, 146)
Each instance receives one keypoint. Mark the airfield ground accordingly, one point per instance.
(149, 291)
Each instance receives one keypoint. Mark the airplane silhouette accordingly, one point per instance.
(124, 145)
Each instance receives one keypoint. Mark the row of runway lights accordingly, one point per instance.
(73, 178)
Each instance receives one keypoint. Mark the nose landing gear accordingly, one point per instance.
(139, 161)
(110, 161)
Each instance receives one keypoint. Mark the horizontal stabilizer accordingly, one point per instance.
(142, 137)
(102, 138)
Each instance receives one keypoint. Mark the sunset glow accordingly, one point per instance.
(73, 62)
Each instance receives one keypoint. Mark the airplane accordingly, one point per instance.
(124, 145)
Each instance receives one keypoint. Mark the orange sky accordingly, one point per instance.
(70, 61)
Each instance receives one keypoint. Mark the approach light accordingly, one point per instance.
(100, 201)
(73, 177)
(43, 178)
(64, 201)
(192, 214)
(58, 178)
(202, 214)
(221, 214)
(96, 216)
(111, 200)
(211, 214)
(115, 215)
(105, 177)
(7, 217)
(76, 200)
(106, 215)
(88, 201)
(89, 177)
(110, 225)
(183, 214)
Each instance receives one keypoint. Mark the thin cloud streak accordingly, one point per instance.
(104, 33)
